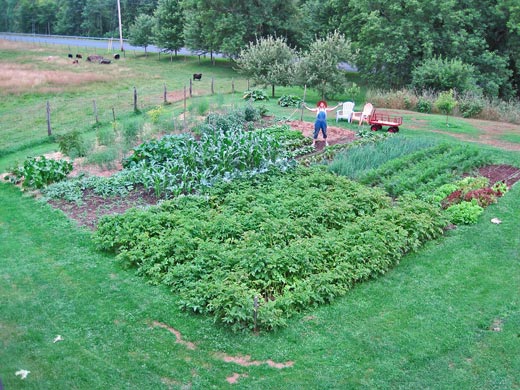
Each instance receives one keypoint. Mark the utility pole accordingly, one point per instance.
(120, 26)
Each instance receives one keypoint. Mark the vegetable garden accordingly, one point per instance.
(251, 235)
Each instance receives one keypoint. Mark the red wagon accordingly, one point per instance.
(377, 121)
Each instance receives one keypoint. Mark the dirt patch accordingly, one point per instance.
(335, 135)
(505, 173)
(246, 361)
(176, 333)
(93, 207)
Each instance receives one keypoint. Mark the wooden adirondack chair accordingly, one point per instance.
(363, 116)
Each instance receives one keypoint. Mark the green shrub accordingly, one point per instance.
(424, 105)
(289, 101)
(251, 114)
(470, 105)
(255, 94)
(466, 213)
(73, 144)
(441, 74)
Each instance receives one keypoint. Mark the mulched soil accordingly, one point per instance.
(93, 207)
(505, 173)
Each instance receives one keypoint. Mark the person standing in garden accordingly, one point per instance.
(321, 120)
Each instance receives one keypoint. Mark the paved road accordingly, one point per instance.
(80, 42)
(105, 43)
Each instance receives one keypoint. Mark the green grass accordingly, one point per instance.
(424, 325)
(513, 138)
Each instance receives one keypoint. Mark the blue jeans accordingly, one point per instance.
(320, 125)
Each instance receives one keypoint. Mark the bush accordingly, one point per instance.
(73, 144)
(441, 74)
(423, 105)
(251, 114)
(289, 101)
(470, 105)
(255, 94)
(466, 213)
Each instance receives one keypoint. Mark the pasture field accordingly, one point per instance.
(447, 317)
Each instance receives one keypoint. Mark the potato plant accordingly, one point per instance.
(292, 240)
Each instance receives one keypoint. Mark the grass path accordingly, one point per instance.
(426, 324)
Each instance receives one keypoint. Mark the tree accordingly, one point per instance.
(393, 37)
(319, 66)
(68, 19)
(98, 18)
(268, 61)
(446, 103)
(140, 33)
(227, 26)
(169, 25)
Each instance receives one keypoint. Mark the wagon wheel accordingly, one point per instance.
(375, 127)
(393, 129)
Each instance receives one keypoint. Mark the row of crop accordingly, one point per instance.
(423, 171)
(292, 241)
(430, 172)
(183, 164)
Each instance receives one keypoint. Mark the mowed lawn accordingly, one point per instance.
(447, 317)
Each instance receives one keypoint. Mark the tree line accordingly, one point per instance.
(439, 44)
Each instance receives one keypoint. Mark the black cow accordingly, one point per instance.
(70, 55)
(104, 61)
(79, 56)
(116, 56)
(197, 76)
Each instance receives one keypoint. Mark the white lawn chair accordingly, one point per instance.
(345, 112)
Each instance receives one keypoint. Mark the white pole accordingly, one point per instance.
(120, 26)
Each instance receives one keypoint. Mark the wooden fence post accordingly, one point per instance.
(191, 88)
(95, 111)
(49, 130)
(135, 99)
(232, 86)
(184, 112)
(114, 116)
(212, 85)
(165, 94)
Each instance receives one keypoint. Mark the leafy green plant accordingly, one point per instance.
(251, 114)
(155, 113)
(466, 213)
(424, 105)
(73, 144)
(445, 103)
(293, 240)
(39, 172)
(289, 101)
(255, 94)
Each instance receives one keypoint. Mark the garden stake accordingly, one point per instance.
(255, 310)
(303, 101)
(49, 131)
